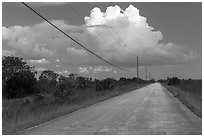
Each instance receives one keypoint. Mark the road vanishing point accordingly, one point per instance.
(147, 111)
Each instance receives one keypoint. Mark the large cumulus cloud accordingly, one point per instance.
(116, 35)
(129, 35)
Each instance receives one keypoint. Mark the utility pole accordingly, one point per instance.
(137, 68)
(145, 72)
(149, 76)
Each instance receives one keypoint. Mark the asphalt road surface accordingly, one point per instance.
(149, 110)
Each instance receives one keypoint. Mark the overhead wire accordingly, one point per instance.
(116, 34)
(99, 36)
(71, 37)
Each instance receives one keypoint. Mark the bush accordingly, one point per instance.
(18, 78)
(20, 85)
(105, 84)
(38, 98)
(173, 81)
(47, 82)
(64, 88)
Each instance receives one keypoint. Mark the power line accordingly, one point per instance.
(137, 68)
(98, 34)
(114, 37)
(71, 37)
(146, 72)
(116, 34)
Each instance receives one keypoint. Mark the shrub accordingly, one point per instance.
(65, 88)
(20, 85)
(38, 98)
(18, 78)
(105, 84)
(173, 81)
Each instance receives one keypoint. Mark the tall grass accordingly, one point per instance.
(189, 92)
(17, 116)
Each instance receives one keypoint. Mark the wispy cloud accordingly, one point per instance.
(128, 36)
(8, 52)
(40, 69)
(102, 26)
(40, 61)
(46, 3)
(83, 70)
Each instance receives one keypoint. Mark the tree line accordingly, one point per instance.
(19, 81)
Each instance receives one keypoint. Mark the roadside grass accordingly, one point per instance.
(189, 92)
(18, 116)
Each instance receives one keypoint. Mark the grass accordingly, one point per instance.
(189, 92)
(17, 116)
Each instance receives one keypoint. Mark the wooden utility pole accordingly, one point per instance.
(146, 73)
(150, 76)
(137, 68)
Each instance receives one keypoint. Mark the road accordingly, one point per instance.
(149, 110)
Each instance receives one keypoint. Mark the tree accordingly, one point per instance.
(21, 84)
(18, 78)
(47, 81)
(108, 83)
(49, 75)
(12, 65)
(173, 81)
(98, 85)
(73, 76)
(81, 83)
(123, 81)
(105, 84)
(65, 88)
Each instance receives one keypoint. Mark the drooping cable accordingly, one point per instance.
(71, 37)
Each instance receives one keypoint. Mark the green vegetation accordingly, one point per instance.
(28, 101)
(189, 92)
(18, 78)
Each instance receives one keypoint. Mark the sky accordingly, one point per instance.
(167, 38)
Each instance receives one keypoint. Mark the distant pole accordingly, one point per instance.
(146, 73)
(137, 68)
(149, 76)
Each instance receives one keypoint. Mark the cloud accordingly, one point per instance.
(79, 52)
(117, 35)
(40, 69)
(130, 36)
(63, 72)
(42, 51)
(94, 69)
(40, 61)
(83, 70)
(57, 60)
(101, 69)
(57, 66)
(8, 53)
(45, 3)
(41, 40)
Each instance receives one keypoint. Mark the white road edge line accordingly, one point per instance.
(69, 114)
